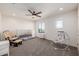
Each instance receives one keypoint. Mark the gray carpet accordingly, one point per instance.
(40, 47)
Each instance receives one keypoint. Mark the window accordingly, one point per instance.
(41, 27)
(59, 24)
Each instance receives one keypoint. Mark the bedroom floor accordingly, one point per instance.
(40, 47)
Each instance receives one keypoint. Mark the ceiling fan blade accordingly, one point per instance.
(39, 12)
(30, 11)
(37, 15)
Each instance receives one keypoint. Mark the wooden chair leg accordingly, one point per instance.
(20, 42)
(10, 44)
(15, 44)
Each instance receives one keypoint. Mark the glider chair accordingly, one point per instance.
(13, 39)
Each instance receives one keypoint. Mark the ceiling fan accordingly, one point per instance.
(33, 13)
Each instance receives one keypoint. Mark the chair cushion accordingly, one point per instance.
(17, 41)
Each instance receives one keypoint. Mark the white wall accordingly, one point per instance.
(0, 25)
(78, 23)
(78, 29)
(70, 26)
(0, 22)
(13, 23)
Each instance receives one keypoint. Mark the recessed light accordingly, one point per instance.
(60, 9)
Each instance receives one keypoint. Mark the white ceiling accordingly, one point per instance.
(48, 9)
